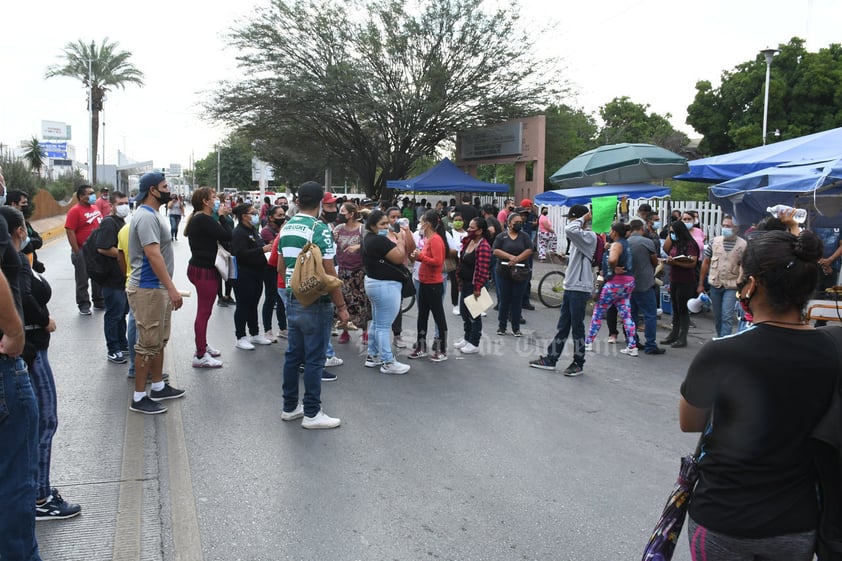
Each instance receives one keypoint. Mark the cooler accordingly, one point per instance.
(665, 304)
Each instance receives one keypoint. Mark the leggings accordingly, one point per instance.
(707, 545)
(272, 302)
(430, 300)
(206, 282)
(247, 287)
(616, 292)
(44, 386)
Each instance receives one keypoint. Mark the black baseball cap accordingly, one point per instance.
(578, 211)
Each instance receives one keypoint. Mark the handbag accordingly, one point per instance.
(225, 263)
(516, 274)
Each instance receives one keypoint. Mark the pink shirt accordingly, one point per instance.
(544, 224)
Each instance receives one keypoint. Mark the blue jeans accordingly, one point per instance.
(471, 325)
(511, 301)
(572, 318)
(18, 462)
(114, 321)
(44, 385)
(722, 301)
(385, 298)
(305, 344)
(643, 302)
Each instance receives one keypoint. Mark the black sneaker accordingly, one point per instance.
(117, 357)
(655, 351)
(542, 363)
(84, 311)
(528, 306)
(56, 508)
(573, 370)
(147, 406)
(222, 303)
(328, 376)
(168, 392)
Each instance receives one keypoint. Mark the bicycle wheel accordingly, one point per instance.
(551, 289)
(407, 303)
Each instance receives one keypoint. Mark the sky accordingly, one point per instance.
(653, 51)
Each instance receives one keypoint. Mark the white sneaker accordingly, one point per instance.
(269, 336)
(468, 349)
(459, 344)
(213, 352)
(629, 351)
(589, 347)
(244, 343)
(333, 361)
(456, 311)
(394, 367)
(282, 333)
(259, 340)
(207, 361)
(399, 342)
(320, 421)
(296, 413)
(372, 361)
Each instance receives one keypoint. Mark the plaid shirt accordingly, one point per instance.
(483, 261)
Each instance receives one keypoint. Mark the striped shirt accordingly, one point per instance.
(295, 234)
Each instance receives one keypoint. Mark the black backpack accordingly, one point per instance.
(96, 264)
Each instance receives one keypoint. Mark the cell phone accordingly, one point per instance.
(396, 227)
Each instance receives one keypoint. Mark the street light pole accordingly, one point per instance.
(768, 54)
(91, 163)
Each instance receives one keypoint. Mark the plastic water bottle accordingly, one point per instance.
(403, 222)
(800, 214)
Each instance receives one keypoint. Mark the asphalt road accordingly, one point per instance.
(478, 458)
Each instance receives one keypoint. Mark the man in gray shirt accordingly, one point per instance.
(644, 257)
(151, 292)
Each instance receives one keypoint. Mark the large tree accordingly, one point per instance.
(34, 155)
(570, 131)
(109, 69)
(626, 121)
(805, 96)
(376, 84)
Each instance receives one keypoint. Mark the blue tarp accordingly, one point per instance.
(815, 186)
(825, 145)
(445, 176)
(583, 195)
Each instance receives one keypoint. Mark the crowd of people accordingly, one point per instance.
(382, 250)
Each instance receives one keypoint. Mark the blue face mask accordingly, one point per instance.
(656, 225)
(216, 206)
(689, 225)
(255, 220)
(673, 237)
(92, 198)
(383, 232)
(727, 232)
(25, 242)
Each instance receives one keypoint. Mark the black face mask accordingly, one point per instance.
(26, 210)
(517, 227)
(163, 197)
(342, 219)
(330, 216)
(285, 207)
(279, 221)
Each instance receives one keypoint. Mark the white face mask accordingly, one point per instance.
(122, 210)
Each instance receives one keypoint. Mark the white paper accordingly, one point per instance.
(476, 306)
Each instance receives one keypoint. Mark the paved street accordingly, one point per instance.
(471, 459)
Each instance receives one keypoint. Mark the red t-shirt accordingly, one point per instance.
(83, 219)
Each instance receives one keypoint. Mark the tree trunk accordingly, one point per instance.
(94, 144)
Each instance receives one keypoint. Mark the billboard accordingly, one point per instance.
(55, 130)
(257, 167)
(492, 142)
(55, 150)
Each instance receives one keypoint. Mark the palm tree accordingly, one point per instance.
(34, 155)
(110, 68)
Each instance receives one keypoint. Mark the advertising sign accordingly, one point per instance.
(56, 150)
(54, 130)
(491, 142)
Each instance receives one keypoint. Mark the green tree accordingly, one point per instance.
(570, 132)
(626, 121)
(805, 96)
(64, 186)
(34, 155)
(235, 155)
(376, 84)
(19, 176)
(109, 69)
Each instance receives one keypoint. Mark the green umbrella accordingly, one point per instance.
(620, 163)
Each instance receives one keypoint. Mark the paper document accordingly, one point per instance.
(476, 306)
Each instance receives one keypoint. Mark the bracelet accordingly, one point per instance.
(343, 305)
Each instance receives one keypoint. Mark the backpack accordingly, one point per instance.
(96, 264)
(596, 258)
(309, 281)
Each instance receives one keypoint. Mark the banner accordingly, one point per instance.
(603, 209)
(54, 149)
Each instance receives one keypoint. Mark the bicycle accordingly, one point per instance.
(551, 285)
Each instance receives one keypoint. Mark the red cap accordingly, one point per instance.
(525, 202)
(329, 198)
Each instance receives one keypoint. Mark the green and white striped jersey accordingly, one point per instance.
(296, 233)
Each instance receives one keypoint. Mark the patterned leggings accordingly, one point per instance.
(547, 241)
(615, 292)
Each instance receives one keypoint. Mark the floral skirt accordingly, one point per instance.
(353, 289)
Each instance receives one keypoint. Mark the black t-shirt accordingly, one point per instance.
(768, 387)
(106, 239)
(512, 246)
(375, 248)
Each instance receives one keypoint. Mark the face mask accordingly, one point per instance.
(473, 234)
(458, 224)
(331, 216)
(91, 199)
(517, 227)
(727, 232)
(544, 212)
(383, 232)
(27, 212)
(122, 210)
(25, 242)
(689, 225)
(673, 237)
(279, 221)
(216, 205)
(285, 207)
(342, 218)
(656, 225)
(511, 209)
(163, 197)
(2, 200)
(255, 220)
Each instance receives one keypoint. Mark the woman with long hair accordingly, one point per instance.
(683, 254)
(383, 282)
(473, 273)
(757, 396)
(619, 284)
(431, 287)
(249, 249)
(272, 302)
(348, 235)
(512, 248)
(224, 217)
(204, 233)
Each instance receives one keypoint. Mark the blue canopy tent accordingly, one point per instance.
(815, 186)
(445, 176)
(583, 195)
(825, 145)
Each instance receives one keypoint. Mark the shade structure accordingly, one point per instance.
(445, 176)
(619, 163)
(815, 186)
(825, 145)
(583, 195)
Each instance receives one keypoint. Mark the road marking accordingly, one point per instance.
(127, 532)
